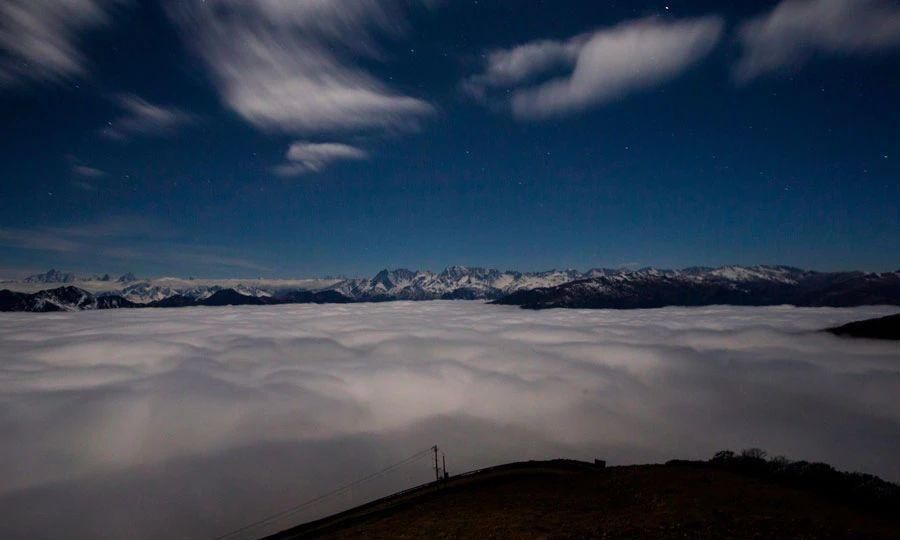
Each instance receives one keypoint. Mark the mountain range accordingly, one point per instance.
(56, 276)
(733, 285)
(51, 276)
(595, 288)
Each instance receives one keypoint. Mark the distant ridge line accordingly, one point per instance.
(597, 288)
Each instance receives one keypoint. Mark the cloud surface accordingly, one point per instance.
(291, 66)
(603, 66)
(193, 422)
(797, 29)
(304, 157)
(39, 38)
(140, 117)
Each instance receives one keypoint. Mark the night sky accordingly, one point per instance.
(284, 138)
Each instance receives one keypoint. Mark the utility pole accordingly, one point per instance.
(444, 460)
(436, 475)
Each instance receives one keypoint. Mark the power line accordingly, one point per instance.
(437, 475)
(296, 508)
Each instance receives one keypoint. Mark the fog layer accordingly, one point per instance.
(192, 422)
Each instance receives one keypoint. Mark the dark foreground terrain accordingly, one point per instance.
(880, 328)
(727, 497)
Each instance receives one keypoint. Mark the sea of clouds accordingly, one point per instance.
(192, 422)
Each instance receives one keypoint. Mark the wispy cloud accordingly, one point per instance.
(795, 30)
(85, 175)
(17, 273)
(87, 172)
(84, 185)
(87, 237)
(39, 38)
(124, 238)
(306, 157)
(603, 66)
(140, 117)
(291, 66)
(510, 67)
(41, 239)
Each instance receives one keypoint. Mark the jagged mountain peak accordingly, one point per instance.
(460, 272)
(599, 287)
(52, 276)
(389, 278)
(127, 277)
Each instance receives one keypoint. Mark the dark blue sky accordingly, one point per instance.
(279, 138)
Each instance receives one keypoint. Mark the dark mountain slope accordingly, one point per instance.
(60, 299)
(880, 328)
(230, 297)
(13, 301)
(736, 497)
(311, 297)
(653, 289)
(852, 289)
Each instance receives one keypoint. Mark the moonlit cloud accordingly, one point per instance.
(40, 239)
(87, 172)
(509, 67)
(291, 66)
(39, 39)
(305, 157)
(604, 66)
(258, 408)
(85, 237)
(798, 29)
(140, 117)
(124, 239)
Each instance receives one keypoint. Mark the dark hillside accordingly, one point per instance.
(880, 328)
(727, 497)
